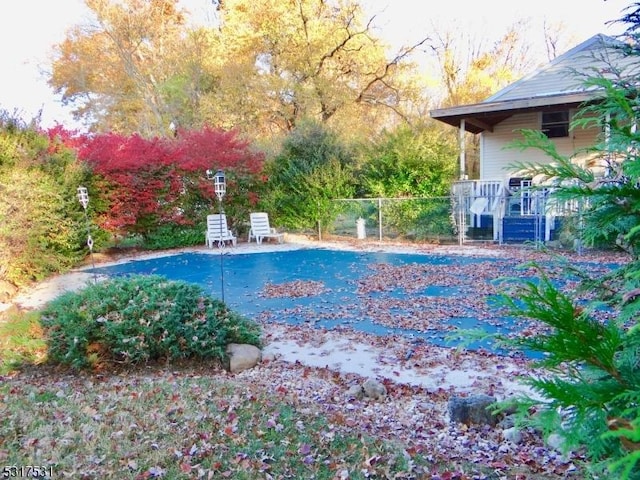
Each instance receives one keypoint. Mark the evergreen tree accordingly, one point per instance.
(313, 168)
(589, 391)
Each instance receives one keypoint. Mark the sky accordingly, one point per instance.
(29, 29)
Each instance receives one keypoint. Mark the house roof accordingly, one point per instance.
(559, 85)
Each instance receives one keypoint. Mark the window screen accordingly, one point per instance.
(555, 124)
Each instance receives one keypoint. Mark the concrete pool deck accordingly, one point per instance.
(345, 351)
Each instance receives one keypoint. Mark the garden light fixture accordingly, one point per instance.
(83, 198)
(219, 183)
(220, 188)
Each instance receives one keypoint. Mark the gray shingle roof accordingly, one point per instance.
(566, 73)
(559, 84)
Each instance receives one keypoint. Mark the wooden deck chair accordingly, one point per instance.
(218, 231)
(260, 228)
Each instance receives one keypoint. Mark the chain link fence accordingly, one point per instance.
(393, 219)
(457, 219)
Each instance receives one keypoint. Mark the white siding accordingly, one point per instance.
(496, 160)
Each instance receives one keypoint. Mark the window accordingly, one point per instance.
(555, 124)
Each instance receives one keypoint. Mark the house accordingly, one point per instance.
(499, 202)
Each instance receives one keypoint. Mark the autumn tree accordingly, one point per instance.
(472, 71)
(140, 65)
(287, 60)
(135, 68)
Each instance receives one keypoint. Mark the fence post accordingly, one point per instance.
(319, 222)
(379, 219)
(461, 222)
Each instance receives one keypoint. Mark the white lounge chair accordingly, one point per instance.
(218, 231)
(260, 228)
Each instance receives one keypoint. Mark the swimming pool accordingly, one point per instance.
(418, 295)
(422, 296)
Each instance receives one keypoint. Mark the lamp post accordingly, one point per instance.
(173, 126)
(220, 188)
(83, 198)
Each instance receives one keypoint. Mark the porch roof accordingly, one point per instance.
(484, 116)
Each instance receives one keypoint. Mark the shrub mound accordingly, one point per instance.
(141, 318)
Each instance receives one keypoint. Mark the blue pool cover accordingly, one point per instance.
(342, 301)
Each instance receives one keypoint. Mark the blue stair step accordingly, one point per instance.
(520, 229)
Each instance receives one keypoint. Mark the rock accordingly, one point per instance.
(512, 435)
(472, 410)
(7, 291)
(242, 356)
(374, 389)
(356, 392)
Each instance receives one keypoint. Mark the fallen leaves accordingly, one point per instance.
(297, 288)
(431, 297)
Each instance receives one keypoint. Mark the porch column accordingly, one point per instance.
(607, 142)
(463, 175)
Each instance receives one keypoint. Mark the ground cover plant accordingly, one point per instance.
(136, 319)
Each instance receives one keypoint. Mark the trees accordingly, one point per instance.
(313, 168)
(471, 72)
(135, 69)
(295, 59)
(270, 64)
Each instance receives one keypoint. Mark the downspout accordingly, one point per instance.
(463, 153)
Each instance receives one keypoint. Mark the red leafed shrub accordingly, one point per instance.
(60, 137)
(212, 149)
(152, 182)
(142, 184)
